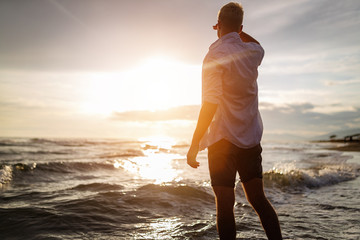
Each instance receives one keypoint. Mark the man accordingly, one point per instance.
(230, 125)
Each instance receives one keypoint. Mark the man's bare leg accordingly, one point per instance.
(225, 220)
(254, 192)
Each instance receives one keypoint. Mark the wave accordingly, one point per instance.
(97, 187)
(61, 142)
(70, 217)
(40, 152)
(14, 142)
(44, 170)
(125, 154)
(21, 142)
(69, 167)
(178, 190)
(342, 208)
(310, 178)
(55, 171)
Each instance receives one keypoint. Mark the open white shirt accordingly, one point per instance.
(229, 74)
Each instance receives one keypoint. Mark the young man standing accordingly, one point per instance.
(230, 125)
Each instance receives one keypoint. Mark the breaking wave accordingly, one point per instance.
(310, 178)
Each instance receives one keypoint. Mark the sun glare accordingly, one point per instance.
(157, 83)
(157, 164)
(161, 142)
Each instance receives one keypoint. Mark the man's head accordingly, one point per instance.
(230, 19)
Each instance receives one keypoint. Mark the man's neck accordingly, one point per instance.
(223, 33)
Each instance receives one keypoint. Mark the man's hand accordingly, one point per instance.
(247, 38)
(191, 156)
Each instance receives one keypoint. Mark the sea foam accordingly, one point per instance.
(314, 177)
(5, 175)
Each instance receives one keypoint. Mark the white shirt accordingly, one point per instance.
(229, 74)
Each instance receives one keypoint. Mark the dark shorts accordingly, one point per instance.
(226, 159)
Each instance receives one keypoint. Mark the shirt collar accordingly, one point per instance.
(226, 38)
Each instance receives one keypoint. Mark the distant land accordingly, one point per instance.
(338, 135)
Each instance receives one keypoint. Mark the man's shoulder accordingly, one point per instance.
(221, 51)
(253, 46)
(217, 50)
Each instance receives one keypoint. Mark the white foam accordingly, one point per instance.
(5, 175)
(312, 177)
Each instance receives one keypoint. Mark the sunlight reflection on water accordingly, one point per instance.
(157, 164)
(159, 228)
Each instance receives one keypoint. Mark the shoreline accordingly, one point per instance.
(343, 146)
(347, 147)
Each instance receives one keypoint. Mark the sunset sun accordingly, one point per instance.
(156, 83)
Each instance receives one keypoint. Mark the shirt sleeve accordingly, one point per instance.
(211, 81)
(257, 50)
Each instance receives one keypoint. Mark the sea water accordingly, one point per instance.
(116, 189)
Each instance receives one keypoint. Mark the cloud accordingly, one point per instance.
(308, 119)
(344, 82)
(178, 113)
(101, 35)
(270, 19)
(318, 37)
(304, 119)
(313, 26)
(326, 62)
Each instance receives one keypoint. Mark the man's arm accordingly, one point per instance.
(206, 115)
(247, 38)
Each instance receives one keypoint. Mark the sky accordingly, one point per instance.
(132, 68)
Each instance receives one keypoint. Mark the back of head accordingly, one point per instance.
(231, 15)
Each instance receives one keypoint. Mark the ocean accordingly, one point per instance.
(143, 189)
